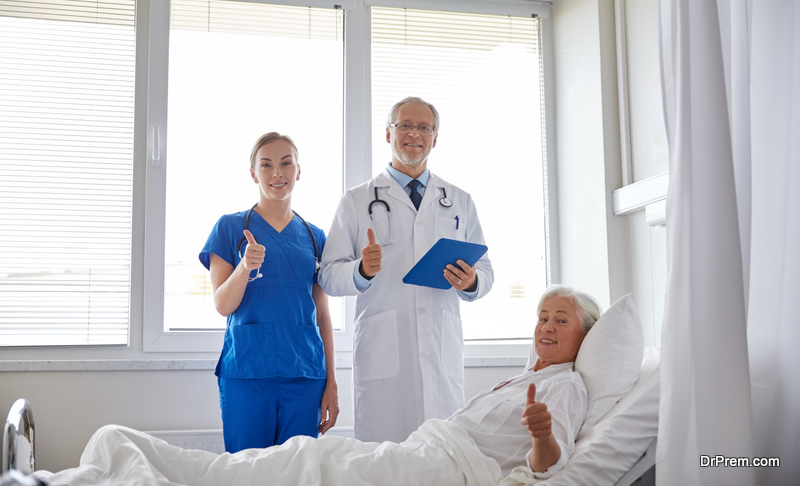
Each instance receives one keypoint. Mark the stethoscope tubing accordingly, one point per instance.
(444, 201)
(308, 227)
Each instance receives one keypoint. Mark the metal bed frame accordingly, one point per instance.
(18, 424)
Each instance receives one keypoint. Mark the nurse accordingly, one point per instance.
(275, 373)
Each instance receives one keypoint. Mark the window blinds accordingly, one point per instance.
(483, 74)
(66, 155)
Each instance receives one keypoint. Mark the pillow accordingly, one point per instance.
(610, 358)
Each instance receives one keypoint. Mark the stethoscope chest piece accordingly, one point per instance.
(444, 201)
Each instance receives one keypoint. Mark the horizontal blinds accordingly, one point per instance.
(483, 74)
(114, 12)
(256, 18)
(295, 53)
(66, 154)
(441, 54)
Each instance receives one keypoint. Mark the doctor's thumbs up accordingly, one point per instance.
(254, 254)
(370, 257)
(535, 416)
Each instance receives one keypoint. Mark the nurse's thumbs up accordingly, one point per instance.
(254, 254)
(535, 416)
(370, 257)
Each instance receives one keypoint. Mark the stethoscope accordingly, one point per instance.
(444, 201)
(243, 239)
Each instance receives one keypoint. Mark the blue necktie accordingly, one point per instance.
(415, 196)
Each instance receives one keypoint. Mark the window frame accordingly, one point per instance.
(147, 340)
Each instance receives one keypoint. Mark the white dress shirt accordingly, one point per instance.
(492, 418)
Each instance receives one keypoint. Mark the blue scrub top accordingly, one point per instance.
(274, 331)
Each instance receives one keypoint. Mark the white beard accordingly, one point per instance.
(410, 160)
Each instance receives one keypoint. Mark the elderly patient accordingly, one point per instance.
(532, 418)
(550, 397)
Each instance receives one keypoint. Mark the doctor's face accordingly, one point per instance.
(411, 149)
(276, 170)
(559, 334)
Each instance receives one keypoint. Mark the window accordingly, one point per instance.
(238, 70)
(66, 156)
(109, 188)
(483, 74)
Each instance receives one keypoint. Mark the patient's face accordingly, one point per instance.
(558, 333)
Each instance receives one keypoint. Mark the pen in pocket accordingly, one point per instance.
(456, 222)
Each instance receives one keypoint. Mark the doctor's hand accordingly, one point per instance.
(370, 257)
(254, 254)
(536, 417)
(463, 278)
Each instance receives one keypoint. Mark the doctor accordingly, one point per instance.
(408, 361)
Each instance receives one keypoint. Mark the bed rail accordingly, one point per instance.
(18, 439)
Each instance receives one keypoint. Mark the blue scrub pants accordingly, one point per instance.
(266, 412)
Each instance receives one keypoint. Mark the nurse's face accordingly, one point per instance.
(276, 170)
(558, 334)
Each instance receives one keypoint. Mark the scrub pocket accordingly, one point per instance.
(375, 352)
(312, 354)
(252, 351)
(452, 346)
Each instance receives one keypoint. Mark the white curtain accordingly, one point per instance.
(731, 370)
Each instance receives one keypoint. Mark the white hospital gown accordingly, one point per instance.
(492, 418)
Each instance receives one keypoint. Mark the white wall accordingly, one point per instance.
(604, 254)
(593, 242)
(649, 158)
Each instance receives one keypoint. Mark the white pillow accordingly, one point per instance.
(610, 358)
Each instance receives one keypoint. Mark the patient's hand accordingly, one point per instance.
(535, 416)
(544, 449)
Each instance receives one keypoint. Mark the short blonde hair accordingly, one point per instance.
(269, 138)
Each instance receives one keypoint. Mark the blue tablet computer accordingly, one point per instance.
(429, 270)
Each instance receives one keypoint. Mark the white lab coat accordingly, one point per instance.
(408, 360)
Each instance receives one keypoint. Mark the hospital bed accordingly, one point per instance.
(616, 445)
(619, 448)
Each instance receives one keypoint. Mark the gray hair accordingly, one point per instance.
(269, 138)
(588, 308)
(417, 101)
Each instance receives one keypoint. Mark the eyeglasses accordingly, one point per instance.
(407, 128)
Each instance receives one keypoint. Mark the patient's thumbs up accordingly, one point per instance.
(370, 236)
(531, 393)
(535, 416)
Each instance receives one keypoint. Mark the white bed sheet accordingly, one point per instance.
(438, 453)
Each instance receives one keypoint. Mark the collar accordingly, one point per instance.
(403, 179)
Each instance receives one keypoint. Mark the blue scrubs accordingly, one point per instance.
(272, 361)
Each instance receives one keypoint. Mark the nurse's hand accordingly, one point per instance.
(463, 278)
(329, 408)
(254, 254)
(370, 257)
